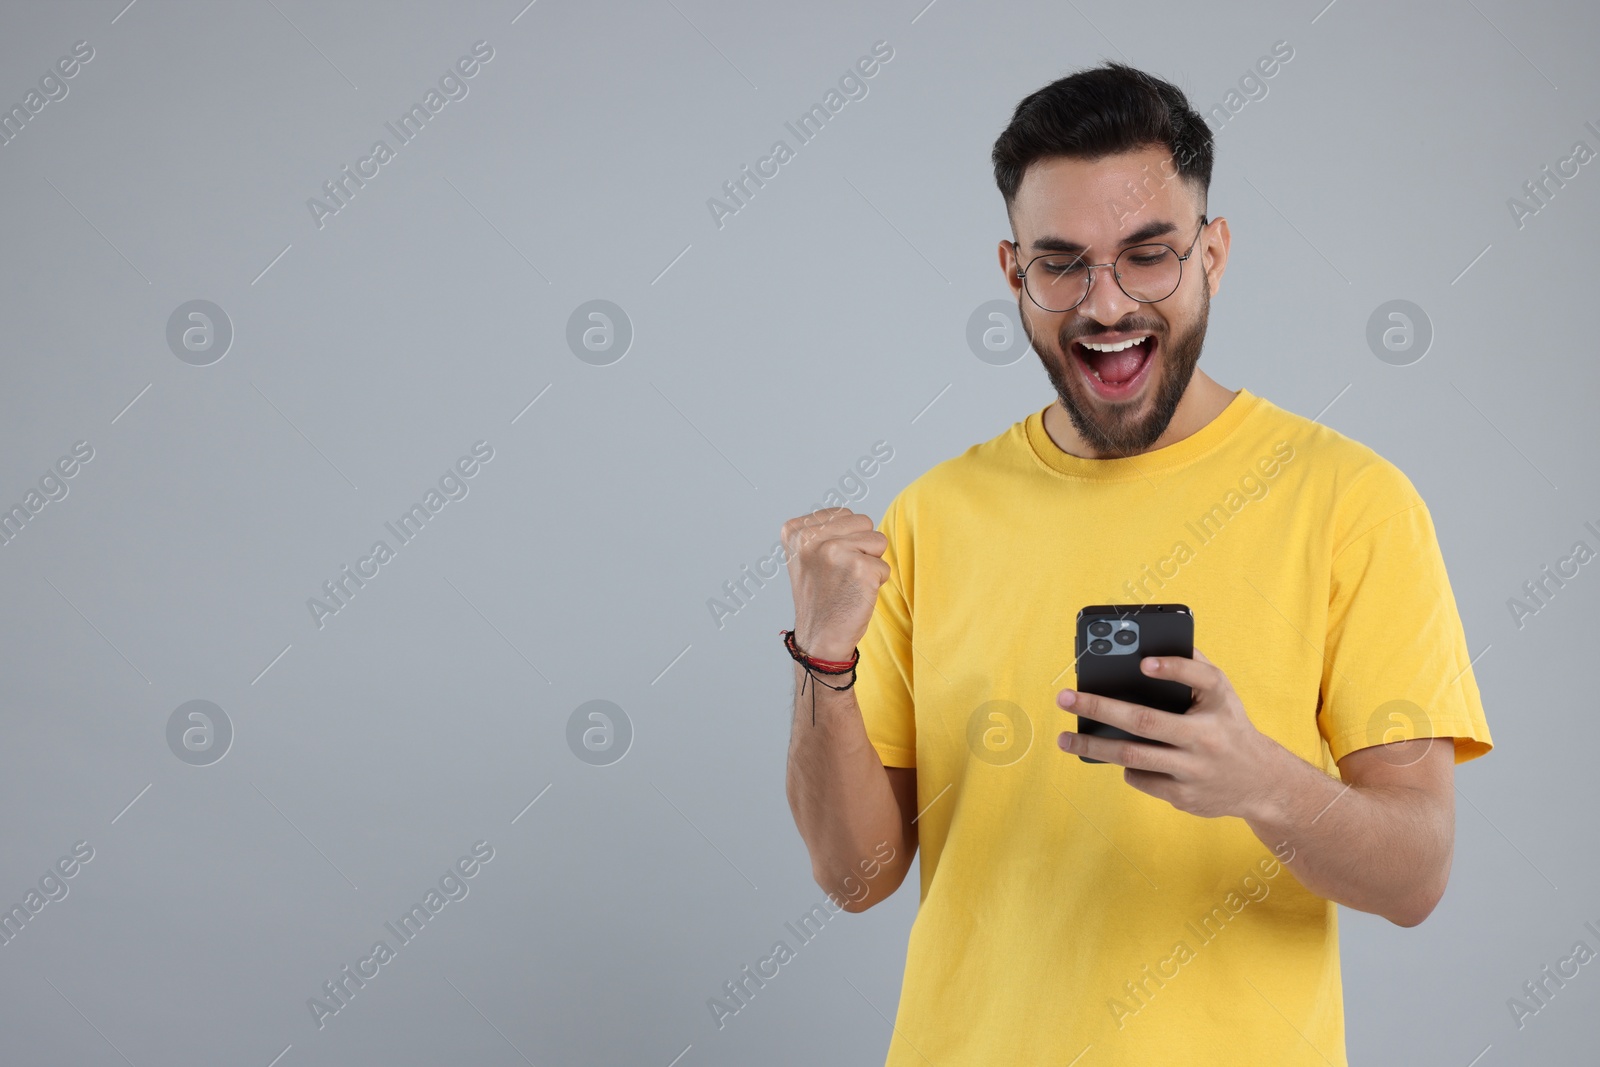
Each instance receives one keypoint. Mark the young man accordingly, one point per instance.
(1176, 902)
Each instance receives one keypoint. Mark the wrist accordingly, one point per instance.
(1266, 807)
(824, 647)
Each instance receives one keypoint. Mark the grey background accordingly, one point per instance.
(768, 355)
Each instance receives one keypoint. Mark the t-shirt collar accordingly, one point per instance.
(1174, 455)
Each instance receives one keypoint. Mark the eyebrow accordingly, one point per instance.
(1149, 231)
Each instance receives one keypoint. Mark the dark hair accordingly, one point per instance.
(1099, 112)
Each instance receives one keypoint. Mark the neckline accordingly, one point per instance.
(1125, 468)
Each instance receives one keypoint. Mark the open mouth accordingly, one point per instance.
(1118, 374)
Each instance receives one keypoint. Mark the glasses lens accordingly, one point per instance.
(1148, 272)
(1058, 283)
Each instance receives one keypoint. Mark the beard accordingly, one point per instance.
(1115, 428)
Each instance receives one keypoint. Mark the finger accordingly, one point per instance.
(1159, 786)
(1199, 674)
(842, 515)
(1152, 723)
(866, 540)
(825, 516)
(824, 525)
(1115, 750)
(851, 549)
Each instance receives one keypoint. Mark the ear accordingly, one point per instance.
(1011, 262)
(1215, 257)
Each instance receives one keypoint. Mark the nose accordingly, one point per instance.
(1106, 303)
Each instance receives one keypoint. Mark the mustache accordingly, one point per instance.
(1087, 331)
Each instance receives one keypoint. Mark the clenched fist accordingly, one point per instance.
(835, 569)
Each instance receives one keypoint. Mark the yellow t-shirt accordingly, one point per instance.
(1061, 909)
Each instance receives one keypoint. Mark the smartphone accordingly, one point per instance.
(1112, 639)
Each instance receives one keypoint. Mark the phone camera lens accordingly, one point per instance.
(1125, 637)
(1099, 646)
(1100, 628)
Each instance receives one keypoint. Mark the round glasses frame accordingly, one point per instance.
(1116, 272)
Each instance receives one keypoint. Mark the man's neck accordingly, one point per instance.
(1202, 401)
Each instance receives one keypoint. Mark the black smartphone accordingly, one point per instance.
(1112, 639)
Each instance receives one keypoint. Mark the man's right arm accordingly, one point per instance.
(847, 805)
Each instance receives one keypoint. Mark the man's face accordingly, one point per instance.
(1119, 403)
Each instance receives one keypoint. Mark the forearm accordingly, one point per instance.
(839, 791)
(1384, 849)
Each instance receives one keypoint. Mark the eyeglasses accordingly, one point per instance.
(1147, 273)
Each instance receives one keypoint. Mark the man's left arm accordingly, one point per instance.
(1379, 841)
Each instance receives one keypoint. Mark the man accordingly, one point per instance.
(1174, 904)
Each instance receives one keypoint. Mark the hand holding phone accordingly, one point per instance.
(1112, 639)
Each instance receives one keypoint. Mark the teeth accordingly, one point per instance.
(1118, 347)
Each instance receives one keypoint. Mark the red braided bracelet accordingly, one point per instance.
(820, 666)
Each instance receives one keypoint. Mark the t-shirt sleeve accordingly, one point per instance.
(884, 676)
(1396, 664)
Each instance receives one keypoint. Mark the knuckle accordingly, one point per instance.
(1144, 720)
